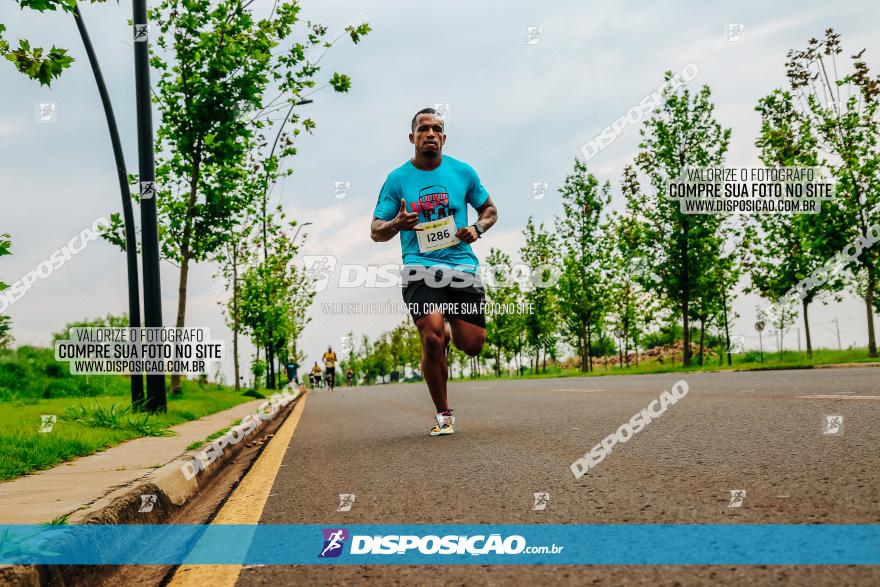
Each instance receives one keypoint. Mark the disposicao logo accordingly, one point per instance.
(334, 540)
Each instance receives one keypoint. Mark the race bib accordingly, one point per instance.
(436, 234)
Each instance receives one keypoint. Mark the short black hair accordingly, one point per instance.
(419, 113)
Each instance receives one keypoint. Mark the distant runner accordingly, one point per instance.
(315, 376)
(292, 367)
(349, 377)
(425, 200)
(329, 359)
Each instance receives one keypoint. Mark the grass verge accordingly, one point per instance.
(744, 362)
(87, 425)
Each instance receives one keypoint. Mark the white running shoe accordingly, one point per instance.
(444, 425)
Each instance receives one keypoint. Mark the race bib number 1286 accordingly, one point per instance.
(436, 234)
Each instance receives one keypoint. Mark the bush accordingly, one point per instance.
(12, 375)
(34, 372)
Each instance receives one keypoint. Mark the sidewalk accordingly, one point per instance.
(78, 484)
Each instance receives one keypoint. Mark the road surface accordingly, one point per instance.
(757, 431)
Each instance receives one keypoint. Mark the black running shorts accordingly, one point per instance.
(455, 294)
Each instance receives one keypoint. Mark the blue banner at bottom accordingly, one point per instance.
(533, 544)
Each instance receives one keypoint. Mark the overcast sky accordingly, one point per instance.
(519, 113)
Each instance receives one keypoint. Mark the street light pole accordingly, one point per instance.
(134, 304)
(156, 400)
(298, 228)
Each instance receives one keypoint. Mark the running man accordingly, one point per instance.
(315, 376)
(425, 200)
(329, 359)
(292, 368)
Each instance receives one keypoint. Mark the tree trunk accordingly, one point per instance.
(580, 353)
(702, 338)
(686, 336)
(685, 298)
(185, 250)
(726, 328)
(270, 384)
(589, 347)
(869, 307)
(181, 313)
(805, 303)
(235, 325)
(255, 360)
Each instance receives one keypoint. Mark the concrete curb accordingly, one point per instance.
(847, 365)
(173, 486)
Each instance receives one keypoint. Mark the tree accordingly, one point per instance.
(236, 254)
(275, 294)
(6, 339)
(843, 110)
(682, 132)
(503, 327)
(258, 368)
(35, 62)
(581, 241)
(5, 244)
(219, 62)
(540, 255)
(627, 262)
(5, 321)
(32, 63)
(784, 249)
(108, 321)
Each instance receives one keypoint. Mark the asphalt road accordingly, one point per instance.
(758, 431)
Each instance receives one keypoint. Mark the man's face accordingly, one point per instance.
(428, 136)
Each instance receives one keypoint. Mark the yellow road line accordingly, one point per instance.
(868, 397)
(244, 506)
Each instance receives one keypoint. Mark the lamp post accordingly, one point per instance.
(156, 400)
(134, 305)
(298, 228)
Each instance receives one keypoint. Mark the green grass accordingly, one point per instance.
(747, 361)
(209, 438)
(214, 436)
(58, 521)
(92, 424)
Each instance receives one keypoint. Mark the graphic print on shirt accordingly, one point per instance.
(433, 203)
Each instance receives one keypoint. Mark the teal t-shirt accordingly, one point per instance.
(444, 191)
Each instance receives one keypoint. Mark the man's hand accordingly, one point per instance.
(405, 220)
(467, 234)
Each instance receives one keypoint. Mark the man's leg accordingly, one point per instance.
(468, 338)
(432, 331)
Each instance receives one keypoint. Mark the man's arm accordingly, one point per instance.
(488, 216)
(385, 230)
